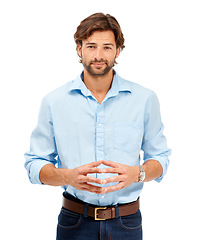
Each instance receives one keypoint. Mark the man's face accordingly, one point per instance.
(98, 52)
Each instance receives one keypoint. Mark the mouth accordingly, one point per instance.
(98, 64)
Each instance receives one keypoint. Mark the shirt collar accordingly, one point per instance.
(118, 85)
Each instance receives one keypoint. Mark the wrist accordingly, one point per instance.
(137, 173)
(65, 176)
(141, 175)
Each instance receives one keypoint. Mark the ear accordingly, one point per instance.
(118, 52)
(78, 49)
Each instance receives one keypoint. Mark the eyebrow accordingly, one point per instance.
(105, 44)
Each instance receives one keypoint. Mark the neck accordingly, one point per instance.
(98, 85)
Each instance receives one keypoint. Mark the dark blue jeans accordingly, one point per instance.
(73, 226)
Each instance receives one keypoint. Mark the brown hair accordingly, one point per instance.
(99, 22)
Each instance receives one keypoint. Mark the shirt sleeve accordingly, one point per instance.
(154, 143)
(42, 145)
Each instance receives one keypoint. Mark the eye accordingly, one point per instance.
(91, 47)
(108, 48)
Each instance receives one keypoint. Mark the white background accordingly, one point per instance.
(37, 55)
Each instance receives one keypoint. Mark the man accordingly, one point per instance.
(94, 128)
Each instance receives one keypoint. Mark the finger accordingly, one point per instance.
(110, 163)
(86, 171)
(91, 188)
(90, 168)
(114, 188)
(119, 178)
(93, 164)
(85, 179)
(112, 170)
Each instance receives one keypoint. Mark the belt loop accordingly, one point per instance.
(116, 211)
(85, 210)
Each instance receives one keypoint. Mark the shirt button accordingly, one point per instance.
(100, 125)
(102, 196)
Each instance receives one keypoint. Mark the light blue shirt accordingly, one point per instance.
(74, 129)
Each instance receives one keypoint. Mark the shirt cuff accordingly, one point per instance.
(35, 169)
(164, 161)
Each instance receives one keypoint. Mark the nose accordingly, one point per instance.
(98, 54)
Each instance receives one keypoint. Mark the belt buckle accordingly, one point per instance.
(96, 213)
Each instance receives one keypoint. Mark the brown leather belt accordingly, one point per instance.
(101, 213)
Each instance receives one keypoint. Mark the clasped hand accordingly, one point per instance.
(126, 176)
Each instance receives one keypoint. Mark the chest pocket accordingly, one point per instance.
(127, 137)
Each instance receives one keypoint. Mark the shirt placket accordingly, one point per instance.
(100, 133)
(100, 143)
